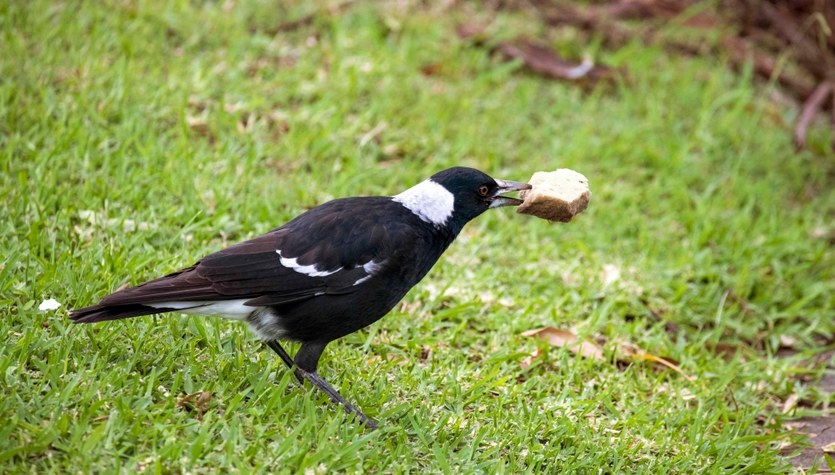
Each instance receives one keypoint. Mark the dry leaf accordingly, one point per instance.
(567, 339)
(198, 401)
(790, 403)
(198, 124)
(588, 349)
(635, 353)
(528, 360)
(795, 425)
(787, 341)
(829, 448)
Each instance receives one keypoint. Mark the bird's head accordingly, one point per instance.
(456, 195)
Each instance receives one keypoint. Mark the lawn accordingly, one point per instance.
(135, 137)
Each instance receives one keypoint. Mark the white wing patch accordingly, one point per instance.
(231, 309)
(371, 268)
(359, 281)
(429, 200)
(309, 270)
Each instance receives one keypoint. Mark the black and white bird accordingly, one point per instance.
(327, 273)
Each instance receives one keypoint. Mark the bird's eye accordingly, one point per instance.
(483, 190)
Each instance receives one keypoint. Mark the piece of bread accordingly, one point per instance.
(556, 196)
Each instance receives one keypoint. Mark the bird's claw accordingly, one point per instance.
(334, 395)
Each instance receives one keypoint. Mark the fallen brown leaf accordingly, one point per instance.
(787, 341)
(567, 339)
(528, 360)
(198, 124)
(635, 353)
(627, 352)
(198, 401)
(790, 403)
(795, 425)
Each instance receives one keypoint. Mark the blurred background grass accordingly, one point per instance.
(138, 136)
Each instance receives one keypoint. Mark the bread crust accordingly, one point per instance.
(556, 196)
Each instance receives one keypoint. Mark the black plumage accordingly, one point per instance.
(327, 273)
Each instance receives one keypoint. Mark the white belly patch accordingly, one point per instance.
(231, 309)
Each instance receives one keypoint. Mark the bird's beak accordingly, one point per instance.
(506, 186)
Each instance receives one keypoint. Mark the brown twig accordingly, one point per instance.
(594, 19)
(757, 32)
(740, 51)
(808, 51)
(602, 20)
(543, 60)
(807, 113)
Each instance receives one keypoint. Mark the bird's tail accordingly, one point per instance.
(103, 313)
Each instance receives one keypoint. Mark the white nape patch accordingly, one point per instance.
(371, 268)
(231, 309)
(309, 270)
(429, 200)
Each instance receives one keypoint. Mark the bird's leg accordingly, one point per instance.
(276, 346)
(306, 362)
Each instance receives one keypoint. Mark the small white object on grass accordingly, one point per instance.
(556, 196)
(49, 305)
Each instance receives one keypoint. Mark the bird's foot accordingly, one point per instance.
(320, 383)
(332, 393)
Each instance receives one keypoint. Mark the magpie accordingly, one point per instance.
(329, 272)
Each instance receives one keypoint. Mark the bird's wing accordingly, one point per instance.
(324, 251)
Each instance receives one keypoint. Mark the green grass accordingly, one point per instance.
(109, 177)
